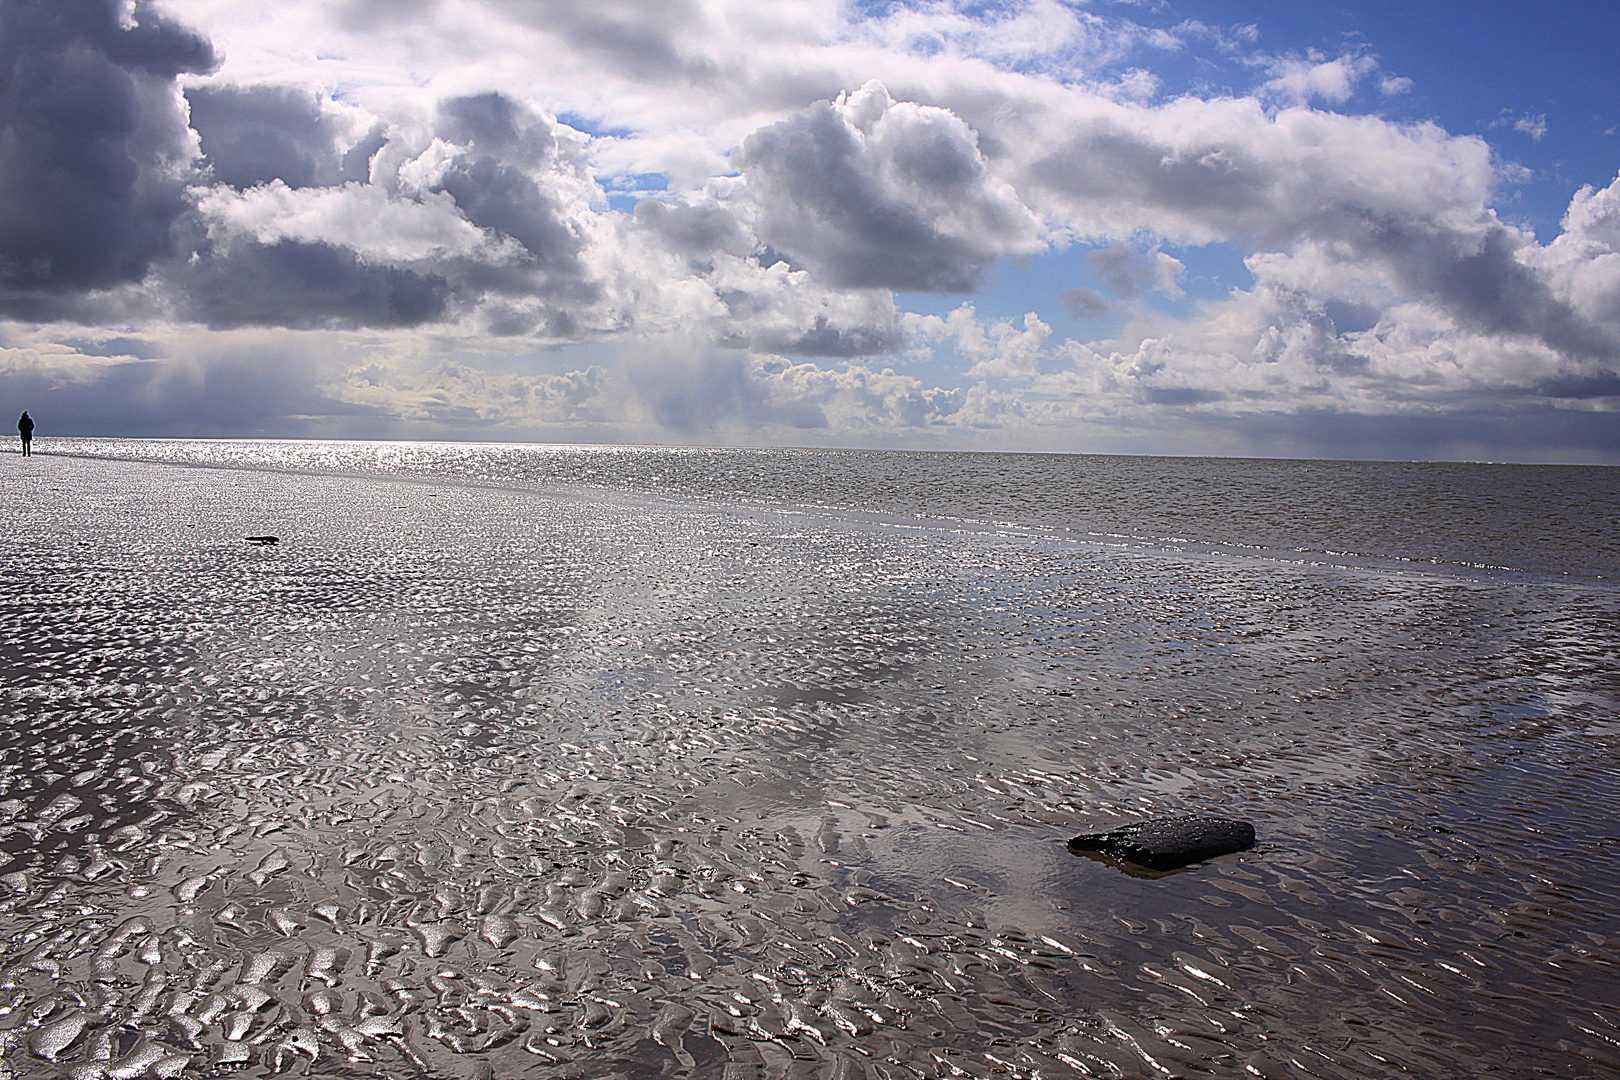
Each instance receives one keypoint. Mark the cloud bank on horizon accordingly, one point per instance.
(1018, 225)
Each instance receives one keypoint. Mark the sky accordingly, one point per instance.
(1269, 228)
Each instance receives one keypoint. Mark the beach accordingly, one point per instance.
(479, 772)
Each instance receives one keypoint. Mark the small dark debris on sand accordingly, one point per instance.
(1169, 843)
(263, 541)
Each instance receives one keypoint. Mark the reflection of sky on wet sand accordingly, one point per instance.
(550, 784)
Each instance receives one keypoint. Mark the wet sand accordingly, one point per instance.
(470, 782)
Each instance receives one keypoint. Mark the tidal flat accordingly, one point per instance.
(488, 780)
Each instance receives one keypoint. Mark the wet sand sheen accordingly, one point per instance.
(469, 782)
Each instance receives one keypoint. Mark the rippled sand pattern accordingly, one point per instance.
(466, 782)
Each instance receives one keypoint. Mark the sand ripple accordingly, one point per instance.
(471, 783)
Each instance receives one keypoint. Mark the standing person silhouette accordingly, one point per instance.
(25, 428)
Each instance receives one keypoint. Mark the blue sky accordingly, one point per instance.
(1166, 227)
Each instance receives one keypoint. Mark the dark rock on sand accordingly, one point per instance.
(1168, 843)
(263, 541)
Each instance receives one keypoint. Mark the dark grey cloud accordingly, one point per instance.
(1122, 268)
(1604, 384)
(905, 205)
(1083, 303)
(1348, 318)
(125, 306)
(825, 338)
(495, 125)
(1479, 280)
(150, 44)
(485, 121)
(494, 195)
(629, 38)
(303, 285)
(503, 320)
(357, 158)
(492, 182)
(381, 15)
(254, 134)
(89, 133)
(634, 39)
(1219, 184)
(1180, 395)
(697, 231)
(759, 318)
